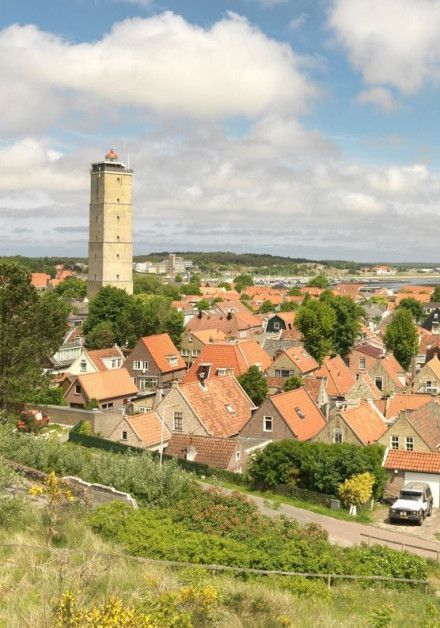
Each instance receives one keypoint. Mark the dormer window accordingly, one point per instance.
(230, 408)
(83, 366)
(221, 372)
(172, 360)
(300, 413)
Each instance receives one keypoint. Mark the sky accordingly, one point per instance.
(307, 128)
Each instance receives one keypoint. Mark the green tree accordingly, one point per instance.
(267, 306)
(32, 328)
(316, 321)
(148, 284)
(225, 285)
(401, 337)
(191, 288)
(255, 384)
(294, 292)
(243, 281)
(72, 288)
(101, 336)
(414, 306)
(145, 315)
(203, 305)
(288, 306)
(319, 282)
(435, 298)
(106, 307)
(292, 383)
(348, 322)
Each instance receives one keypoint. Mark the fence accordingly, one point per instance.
(328, 577)
(403, 545)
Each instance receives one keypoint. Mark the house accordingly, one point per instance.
(40, 281)
(383, 270)
(363, 358)
(412, 466)
(360, 425)
(112, 389)
(339, 377)
(92, 361)
(317, 389)
(392, 406)
(432, 323)
(293, 361)
(388, 375)
(155, 362)
(225, 357)
(141, 430)
(280, 321)
(217, 407)
(427, 379)
(233, 326)
(418, 430)
(219, 453)
(352, 290)
(363, 390)
(291, 415)
(69, 350)
(193, 342)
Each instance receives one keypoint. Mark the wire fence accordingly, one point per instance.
(402, 545)
(327, 577)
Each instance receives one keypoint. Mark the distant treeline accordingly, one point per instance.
(44, 264)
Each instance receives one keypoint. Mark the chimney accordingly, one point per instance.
(203, 372)
(200, 315)
(229, 315)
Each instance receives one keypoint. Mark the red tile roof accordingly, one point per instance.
(107, 384)
(221, 404)
(426, 422)
(148, 428)
(299, 412)
(161, 348)
(40, 280)
(97, 356)
(215, 452)
(339, 377)
(365, 422)
(393, 368)
(418, 461)
(303, 361)
(374, 352)
(400, 402)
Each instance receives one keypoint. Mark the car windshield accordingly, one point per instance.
(414, 497)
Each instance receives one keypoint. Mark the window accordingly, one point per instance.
(185, 353)
(378, 382)
(409, 443)
(117, 255)
(230, 408)
(117, 200)
(117, 277)
(267, 424)
(104, 406)
(283, 373)
(124, 435)
(117, 218)
(394, 442)
(194, 353)
(276, 325)
(139, 365)
(221, 372)
(361, 363)
(338, 435)
(117, 238)
(83, 366)
(77, 389)
(172, 360)
(237, 455)
(178, 422)
(146, 382)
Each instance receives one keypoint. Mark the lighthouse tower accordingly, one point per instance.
(110, 226)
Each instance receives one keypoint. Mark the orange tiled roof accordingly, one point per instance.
(434, 365)
(365, 422)
(301, 359)
(209, 335)
(393, 368)
(418, 461)
(237, 357)
(215, 452)
(299, 412)
(97, 356)
(339, 377)
(40, 280)
(211, 401)
(107, 384)
(423, 297)
(148, 428)
(347, 290)
(161, 347)
(400, 402)
(426, 422)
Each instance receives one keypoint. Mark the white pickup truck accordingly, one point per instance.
(414, 503)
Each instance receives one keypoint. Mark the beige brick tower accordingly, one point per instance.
(110, 230)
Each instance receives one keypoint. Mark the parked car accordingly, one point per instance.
(414, 503)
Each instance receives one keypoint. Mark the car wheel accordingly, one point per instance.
(420, 519)
(429, 513)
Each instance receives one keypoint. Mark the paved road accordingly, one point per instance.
(348, 532)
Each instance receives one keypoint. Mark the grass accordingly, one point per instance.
(274, 500)
(33, 581)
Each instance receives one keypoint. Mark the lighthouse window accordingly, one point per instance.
(117, 238)
(117, 200)
(117, 255)
(117, 277)
(117, 218)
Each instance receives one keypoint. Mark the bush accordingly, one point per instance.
(318, 467)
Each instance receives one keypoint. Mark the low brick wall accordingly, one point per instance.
(69, 416)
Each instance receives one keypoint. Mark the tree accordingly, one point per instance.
(401, 337)
(107, 307)
(316, 321)
(319, 282)
(294, 292)
(145, 315)
(435, 297)
(224, 284)
(243, 281)
(31, 329)
(191, 288)
(267, 306)
(101, 336)
(414, 306)
(356, 490)
(202, 305)
(292, 383)
(348, 322)
(255, 384)
(288, 306)
(72, 288)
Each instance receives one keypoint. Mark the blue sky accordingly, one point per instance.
(301, 127)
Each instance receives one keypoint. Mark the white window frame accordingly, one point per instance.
(338, 433)
(178, 418)
(140, 365)
(362, 363)
(409, 443)
(172, 360)
(78, 389)
(124, 435)
(266, 419)
(83, 366)
(394, 440)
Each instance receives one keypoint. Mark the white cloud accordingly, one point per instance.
(380, 97)
(161, 64)
(140, 3)
(268, 4)
(298, 22)
(394, 42)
